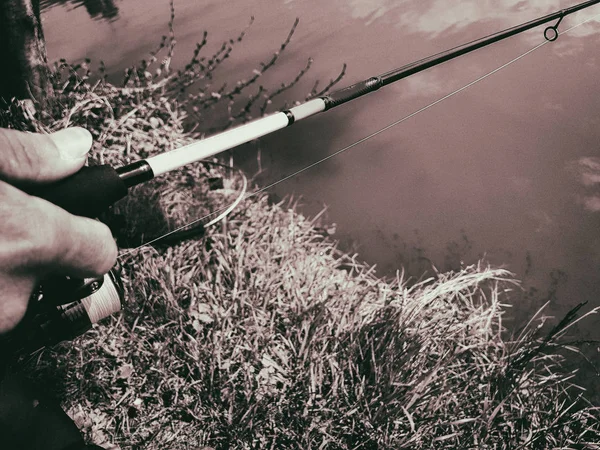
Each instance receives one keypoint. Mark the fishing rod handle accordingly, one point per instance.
(88, 192)
(93, 189)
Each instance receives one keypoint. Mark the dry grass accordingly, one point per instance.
(261, 334)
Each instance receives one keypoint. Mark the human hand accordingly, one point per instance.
(37, 238)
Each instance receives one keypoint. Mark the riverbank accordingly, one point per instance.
(261, 333)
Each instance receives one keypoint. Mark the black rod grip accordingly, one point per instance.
(88, 192)
(346, 94)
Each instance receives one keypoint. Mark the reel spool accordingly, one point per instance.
(62, 309)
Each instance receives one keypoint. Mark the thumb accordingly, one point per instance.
(31, 157)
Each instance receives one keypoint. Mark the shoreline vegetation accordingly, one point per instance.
(260, 333)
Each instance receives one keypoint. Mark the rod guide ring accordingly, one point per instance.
(551, 37)
(551, 33)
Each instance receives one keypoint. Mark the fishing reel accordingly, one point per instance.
(62, 309)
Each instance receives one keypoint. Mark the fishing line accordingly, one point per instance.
(189, 230)
(227, 209)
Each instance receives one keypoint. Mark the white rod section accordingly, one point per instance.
(308, 109)
(226, 140)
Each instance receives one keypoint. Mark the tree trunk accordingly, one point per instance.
(24, 71)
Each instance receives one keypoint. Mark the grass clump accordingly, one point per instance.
(260, 333)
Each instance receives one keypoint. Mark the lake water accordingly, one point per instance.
(508, 169)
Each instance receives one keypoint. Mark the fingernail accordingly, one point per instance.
(72, 143)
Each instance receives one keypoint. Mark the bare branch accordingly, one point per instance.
(331, 84)
(243, 84)
(284, 87)
(244, 114)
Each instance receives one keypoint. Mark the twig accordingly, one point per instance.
(284, 87)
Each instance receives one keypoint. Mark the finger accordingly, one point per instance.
(88, 249)
(44, 239)
(18, 289)
(27, 157)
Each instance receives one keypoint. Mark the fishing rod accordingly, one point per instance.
(65, 307)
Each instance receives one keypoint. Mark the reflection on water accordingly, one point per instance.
(97, 9)
(587, 170)
(442, 16)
